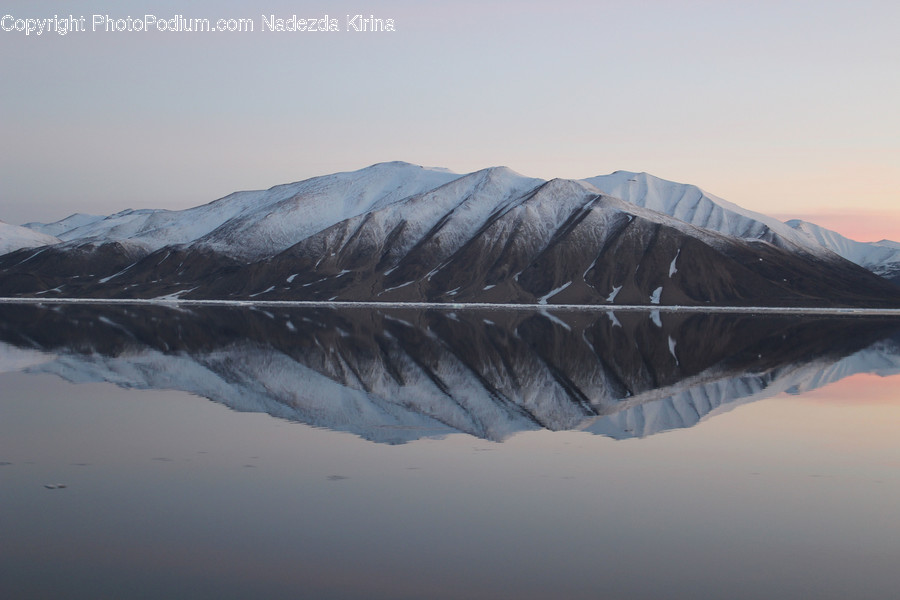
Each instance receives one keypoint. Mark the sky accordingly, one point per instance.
(789, 108)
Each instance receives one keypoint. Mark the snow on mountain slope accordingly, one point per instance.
(316, 204)
(691, 204)
(14, 237)
(448, 216)
(255, 224)
(882, 258)
(392, 207)
(69, 223)
(489, 236)
(495, 236)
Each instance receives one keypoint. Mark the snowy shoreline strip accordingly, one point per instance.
(168, 301)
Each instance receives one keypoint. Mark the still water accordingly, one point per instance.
(234, 453)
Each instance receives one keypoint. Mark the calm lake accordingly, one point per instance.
(150, 452)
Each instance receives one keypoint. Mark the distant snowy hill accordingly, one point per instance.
(13, 237)
(691, 204)
(400, 232)
(882, 258)
(70, 223)
(700, 208)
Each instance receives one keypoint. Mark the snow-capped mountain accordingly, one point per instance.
(13, 237)
(253, 225)
(397, 375)
(700, 208)
(697, 207)
(70, 223)
(399, 232)
(882, 258)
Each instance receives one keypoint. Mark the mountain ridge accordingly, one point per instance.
(400, 232)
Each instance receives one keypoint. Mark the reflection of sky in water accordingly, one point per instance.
(397, 375)
(169, 494)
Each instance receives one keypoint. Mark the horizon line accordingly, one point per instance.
(173, 302)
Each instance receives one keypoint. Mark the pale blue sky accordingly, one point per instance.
(783, 107)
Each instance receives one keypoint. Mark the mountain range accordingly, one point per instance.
(397, 232)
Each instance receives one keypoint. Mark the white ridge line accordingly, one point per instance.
(462, 305)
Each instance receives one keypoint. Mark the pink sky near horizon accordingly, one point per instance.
(863, 226)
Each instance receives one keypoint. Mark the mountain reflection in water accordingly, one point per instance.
(396, 375)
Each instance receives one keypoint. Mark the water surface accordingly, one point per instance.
(227, 453)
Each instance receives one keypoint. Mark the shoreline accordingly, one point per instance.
(462, 306)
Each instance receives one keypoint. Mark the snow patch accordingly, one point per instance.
(105, 279)
(173, 296)
(266, 291)
(654, 297)
(433, 272)
(543, 299)
(672, 268)
(591, 266)
(396, 287)
(615, 292)
(57, 289)
(314, 282)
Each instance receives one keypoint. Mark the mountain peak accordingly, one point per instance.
(400, 164)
